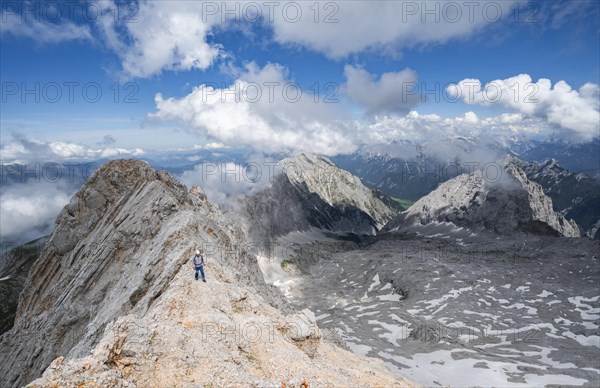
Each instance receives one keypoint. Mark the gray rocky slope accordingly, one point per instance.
(574, 195)
(522, 311)
(111, 301)
(501, 300)
(505, 203)
(310, 192)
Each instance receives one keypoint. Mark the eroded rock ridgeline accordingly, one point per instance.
(312, 192)
(113, 293)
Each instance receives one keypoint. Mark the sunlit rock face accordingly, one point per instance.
(506, 203)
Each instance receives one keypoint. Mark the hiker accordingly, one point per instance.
(199, 265)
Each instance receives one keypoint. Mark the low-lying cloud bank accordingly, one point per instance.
(260, 110)
(28, 210)
(576, 113)
(22, 149)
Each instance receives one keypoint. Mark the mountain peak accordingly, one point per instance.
(303, 165)
(336, 186)
(505, 205)
(550, 163)
(313, 192)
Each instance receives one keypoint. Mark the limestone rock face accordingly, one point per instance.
(574, 195)
(334, 185)
(504, 204)
(302, 326)
(314, 192)
(112, 300)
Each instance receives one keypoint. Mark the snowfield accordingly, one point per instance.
(443, 316)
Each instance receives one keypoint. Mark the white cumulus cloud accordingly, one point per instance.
(431, 128)
(239, 115)
(164, 35)
(23, 150)
(265, 110)
(574, 112)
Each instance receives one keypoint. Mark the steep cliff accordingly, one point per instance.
(574, 195)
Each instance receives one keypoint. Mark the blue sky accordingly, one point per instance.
(559, 42)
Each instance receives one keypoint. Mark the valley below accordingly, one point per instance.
(448, 308)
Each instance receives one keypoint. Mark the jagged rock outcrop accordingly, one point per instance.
(334, 185)
(507, 204)
(314, 192)
(574, 195)
(111, 301)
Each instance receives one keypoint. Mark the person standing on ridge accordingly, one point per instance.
(198, 261)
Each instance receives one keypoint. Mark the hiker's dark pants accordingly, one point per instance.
(201, 269)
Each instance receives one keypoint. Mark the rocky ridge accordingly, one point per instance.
(112, 301)
(313, 192)
(574, 195)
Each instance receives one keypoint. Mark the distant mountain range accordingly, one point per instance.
(512, 204)
(574, 194)
(400, 175)
(584, 158)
